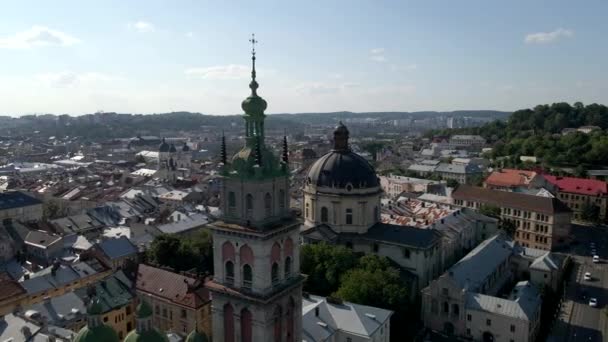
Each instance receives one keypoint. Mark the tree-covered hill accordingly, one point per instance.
(538, 132)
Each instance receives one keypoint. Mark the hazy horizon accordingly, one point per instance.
(358, 56)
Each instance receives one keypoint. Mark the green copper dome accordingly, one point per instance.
(144, 310)
(146, 336)
(100, 333)
(196, 336)
(254, 105)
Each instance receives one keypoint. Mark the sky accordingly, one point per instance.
(155, 56)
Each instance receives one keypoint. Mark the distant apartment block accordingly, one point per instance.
(467, 142)
(540, 222)
(394, 185)
(578, 192)
(18, 206)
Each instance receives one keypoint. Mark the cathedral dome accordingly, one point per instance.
(172, 148)
(185, 148)
(101, 333)
(254, 104)
(342, 168)
(95, 330)
(163, 147)
(196, 336)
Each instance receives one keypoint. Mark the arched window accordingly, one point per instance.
(306, 211)
(229, 272)
(247, 276)
(324, 214)
(228, 323)
(268, 204)
(446, 308)
(287, 267)
(282, 199)
(246, 325)
(455, 309)
(249, 205)
(275, 273)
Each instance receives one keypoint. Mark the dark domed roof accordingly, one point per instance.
(185, 148)
(341, 168)
(163, 147)
(254, 105)
(172, 148)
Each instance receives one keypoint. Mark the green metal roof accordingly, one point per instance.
(101, 333)
(146, 336)
(112, 292)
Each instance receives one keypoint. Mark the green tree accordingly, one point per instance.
(165, 251)
(374, 282)
(452, 183)
(590, 212)
(324, 264)
(53, 209)
(490, 210)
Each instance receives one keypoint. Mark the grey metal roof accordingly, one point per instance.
(402, 235)
(472, 270)
(523, 303)
(41, 239)
(116, 248)
(12, 325)
(546, 262)
(194, 221)
(340, 168)
(60, 309)
(458, 168)
(353, 318)
(16, 199)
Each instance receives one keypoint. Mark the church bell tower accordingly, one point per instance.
(257, 285)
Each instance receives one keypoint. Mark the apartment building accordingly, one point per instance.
(180, 302)
(474, 299)
(17, 205)
(540, 222)
(578, 192)
(467, 142)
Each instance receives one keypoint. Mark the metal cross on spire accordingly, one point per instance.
(253, 42)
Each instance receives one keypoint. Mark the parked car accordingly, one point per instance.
(596, 259)
(593, 302)
(587, 276)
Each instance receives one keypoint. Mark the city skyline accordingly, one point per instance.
(161, 56)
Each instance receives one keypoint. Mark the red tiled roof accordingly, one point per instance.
(510, 177)
(581, 186)
(9, 287)
(171, 286)
(546, 205)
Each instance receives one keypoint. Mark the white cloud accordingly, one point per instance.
(377, 55)
(37, 36)
(548, 37)
(142, 26)
(66, 79)
(190, 34)
(220, 72)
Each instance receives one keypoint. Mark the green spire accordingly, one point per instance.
(254, 106)
(223, 151)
